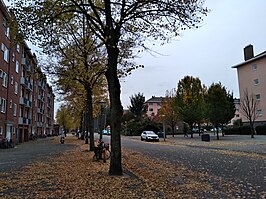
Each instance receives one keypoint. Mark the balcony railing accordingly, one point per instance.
(24, 81)
(41, 84)
(39, 110)
(25, 102)
(41, 97)
(39, 124)
(24, 121)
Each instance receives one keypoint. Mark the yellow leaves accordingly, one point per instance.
(74, 174)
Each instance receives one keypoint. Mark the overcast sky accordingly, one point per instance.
(207, 53)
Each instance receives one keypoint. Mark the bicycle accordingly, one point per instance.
(101, 152)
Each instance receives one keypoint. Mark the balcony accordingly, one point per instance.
(25, 102)
(41, 111)
(25, 82)
(26, 63)
(24, 121)
(40, 97)
(39, 124)
(41, 84)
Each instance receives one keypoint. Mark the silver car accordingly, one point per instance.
(149, 136)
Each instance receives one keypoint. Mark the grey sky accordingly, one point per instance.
(207, 52)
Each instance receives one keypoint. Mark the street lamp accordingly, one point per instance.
(102, 113)
(164, 133)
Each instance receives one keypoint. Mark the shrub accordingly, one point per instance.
(135, 127)
(261, 130)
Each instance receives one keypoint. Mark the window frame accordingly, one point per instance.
(17, 66)
(15, 110)
(254, 67)
(16, 88)
(257, 96)
(4, 81)
(256, 82)
(3, 105)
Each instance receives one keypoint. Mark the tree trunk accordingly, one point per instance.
(217, 132)
(252, 129)
(173, 129)
(89, 121)
(191, 131)
(116, 110)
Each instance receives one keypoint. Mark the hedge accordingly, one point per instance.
(245, 130)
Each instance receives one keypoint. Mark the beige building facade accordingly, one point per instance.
(252, 77)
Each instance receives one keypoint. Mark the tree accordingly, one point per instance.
(116, 23)
(230, 110)
(190, 100)
(249, 108)
(168, 112)
(220, 104)
(138, 107)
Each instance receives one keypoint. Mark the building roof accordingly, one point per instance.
(155, 99)
(259, 56)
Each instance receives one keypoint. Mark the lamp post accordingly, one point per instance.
(164, 133)
(102, 113)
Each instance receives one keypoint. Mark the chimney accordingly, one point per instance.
(248, 52)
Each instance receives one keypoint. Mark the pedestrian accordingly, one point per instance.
(185, 130)
(62, 137)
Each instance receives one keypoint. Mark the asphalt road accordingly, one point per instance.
(243, 170)
(28, 152)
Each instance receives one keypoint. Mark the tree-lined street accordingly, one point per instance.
(193, 168)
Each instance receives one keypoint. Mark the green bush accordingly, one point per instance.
(261, 130)
(135, 127)
(241, 130)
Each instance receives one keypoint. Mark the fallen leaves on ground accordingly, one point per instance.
(73, 174)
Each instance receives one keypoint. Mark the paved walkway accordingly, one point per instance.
(30, 151)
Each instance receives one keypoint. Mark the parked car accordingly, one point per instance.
(106, 132)
(149, 136)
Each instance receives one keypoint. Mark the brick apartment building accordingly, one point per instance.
(251, 76)
(26, 100)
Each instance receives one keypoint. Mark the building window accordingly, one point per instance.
(16, 88)
(256, 82)
(6, 52)
(151, 103)
(13, 57)
(259, 113)
(10, 103)
(150, 109)
(7, 29)
(17, 66)
(12, 80)
(3, 105)
(237, 115)
(4, 22)
(158, 104)
(254, 67)
(7, 32)
(15, 109)
(258, 97)
(4, 82)
(18, 48)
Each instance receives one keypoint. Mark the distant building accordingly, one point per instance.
(252, 76)
(237, 113)
(153, 106)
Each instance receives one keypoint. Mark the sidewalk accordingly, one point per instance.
(73, 174)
